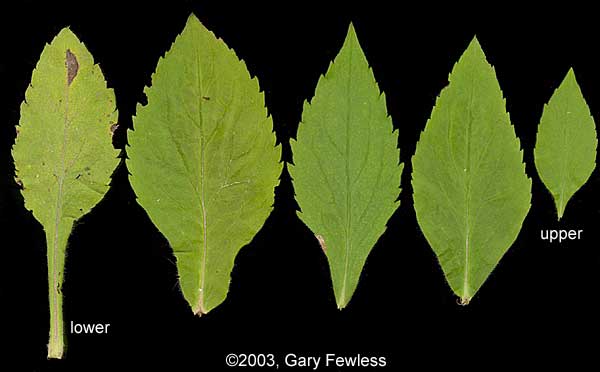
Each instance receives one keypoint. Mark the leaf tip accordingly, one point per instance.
(351, 35)
(475, 47)
(193, 22)
(67, 35)
(192, 19)
(571, 79)
(351, 29)
(65, 31)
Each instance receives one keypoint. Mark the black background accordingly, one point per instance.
(539, 306)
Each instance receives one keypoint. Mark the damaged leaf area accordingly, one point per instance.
(470, 190)
(72, 66)
(346, 173)
(63, 157)
(203, 160)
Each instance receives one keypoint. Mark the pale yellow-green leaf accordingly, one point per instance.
(63, 153)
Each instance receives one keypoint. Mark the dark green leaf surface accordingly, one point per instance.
(565, 152)
(63, 153)
(203, 160)
(346, 173)
(471, 193)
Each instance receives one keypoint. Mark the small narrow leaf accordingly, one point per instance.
(203, 160)
(346, 172)
(471, 193)
(565, 152)
(63, 153)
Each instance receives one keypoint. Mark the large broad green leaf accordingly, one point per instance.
(63, 152)
(203, 160)
(565, 152)
(346, 172)
(471, 193)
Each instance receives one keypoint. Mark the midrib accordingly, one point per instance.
(348, 245)
(466, 295)
(54, 270)
(563, 168)
(201, 305)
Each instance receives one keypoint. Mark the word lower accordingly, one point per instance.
(88, 328)
(560, 235)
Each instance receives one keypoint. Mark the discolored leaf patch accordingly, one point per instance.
(321, 242)
(72, 66)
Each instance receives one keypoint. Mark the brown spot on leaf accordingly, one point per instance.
(113, 128)
(19, 183)
(206, 98)
(17, 130)
(72, 66)
(321, 242)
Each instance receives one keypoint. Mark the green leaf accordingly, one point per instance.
(63, 152)
(565, 152)
(203, 160)
(346, 173)
(471, 193)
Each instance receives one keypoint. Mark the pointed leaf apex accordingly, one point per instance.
(569, 83)
(192, 19)
(475, 47)
(351, 35)
(351, 28)
(194, 22)
(570, 76)
(67, 35)
(65, 30)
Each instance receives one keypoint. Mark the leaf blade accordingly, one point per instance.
(75, 173)
(196, 148)
(470, 190)
(565, 151)
(345, 150)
